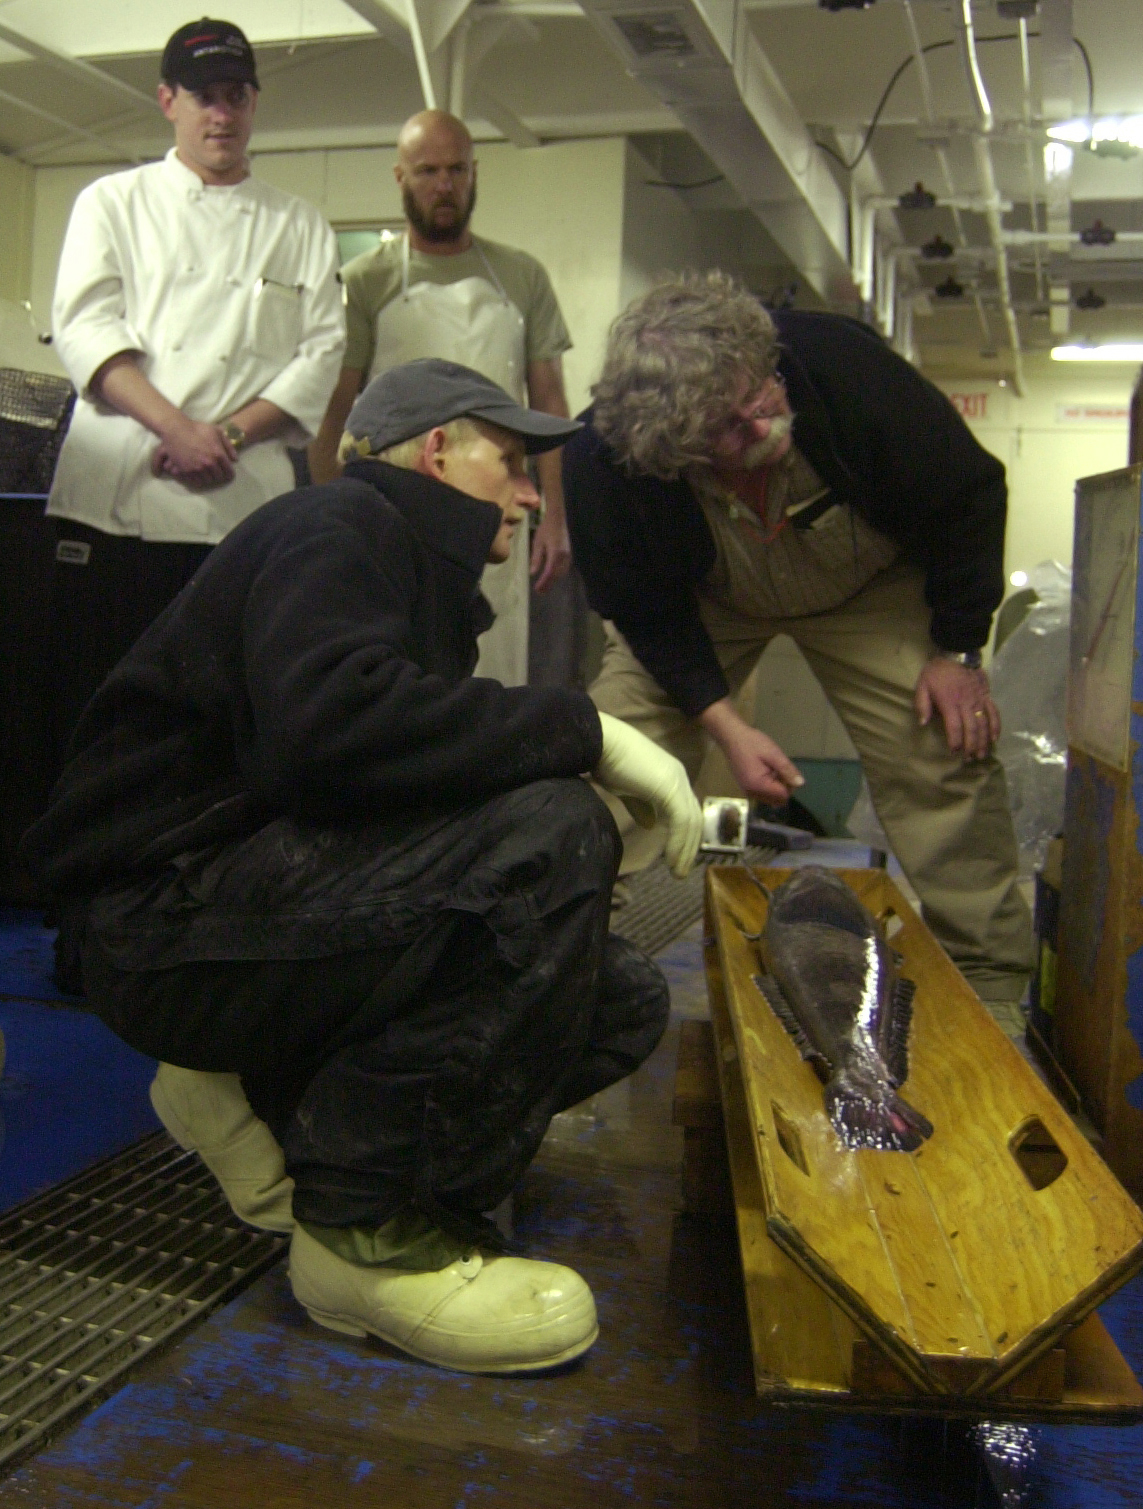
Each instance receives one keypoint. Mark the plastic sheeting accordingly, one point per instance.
(1029, 685)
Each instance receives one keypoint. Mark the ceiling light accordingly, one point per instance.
(937, 249)
(1122, 352)
(917, 198)
(1019, 578)
(1077, 131)
(1110, 136)
(1058, 160)
(1097, 234)
(1090, 300)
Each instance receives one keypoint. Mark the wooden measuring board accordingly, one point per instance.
(943, 1277)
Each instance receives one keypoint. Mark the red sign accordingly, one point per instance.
(970, 405)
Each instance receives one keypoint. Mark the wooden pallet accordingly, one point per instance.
(940, 1280)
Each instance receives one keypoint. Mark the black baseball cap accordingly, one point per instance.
(208, 52)
(417, 396)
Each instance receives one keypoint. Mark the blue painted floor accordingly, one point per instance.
(258, 1407)
(71, 1092)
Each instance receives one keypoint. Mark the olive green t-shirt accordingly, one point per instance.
(374, 279)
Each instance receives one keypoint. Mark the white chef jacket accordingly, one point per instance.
(229, 293)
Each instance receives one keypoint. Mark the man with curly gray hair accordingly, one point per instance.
(743, 475)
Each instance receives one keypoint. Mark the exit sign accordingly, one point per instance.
(970, 405)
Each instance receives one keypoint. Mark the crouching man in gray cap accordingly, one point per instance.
(356, 900)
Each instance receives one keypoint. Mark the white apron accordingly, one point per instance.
(472, 322)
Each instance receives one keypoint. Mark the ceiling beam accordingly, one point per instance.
(1057, 60)
(77, 68)
(706, 64)
(496, 113)
(68, 127)
(385, 22)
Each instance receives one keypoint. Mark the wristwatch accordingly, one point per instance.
(970, 659)
(234, 433)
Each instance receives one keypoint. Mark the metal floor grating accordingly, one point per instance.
(103, 1269)
(656, 908)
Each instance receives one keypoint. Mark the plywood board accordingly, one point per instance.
(948, 1259)
(799, 1338)
(807, 1351)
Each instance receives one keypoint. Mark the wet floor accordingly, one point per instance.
(259, 1408)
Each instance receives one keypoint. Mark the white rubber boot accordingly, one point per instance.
(209, 1114)
(478, 1315)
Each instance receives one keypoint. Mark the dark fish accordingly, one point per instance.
(834, 986)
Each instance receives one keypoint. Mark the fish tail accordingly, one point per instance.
(874, 1116)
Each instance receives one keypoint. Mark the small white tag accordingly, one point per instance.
(73, 552)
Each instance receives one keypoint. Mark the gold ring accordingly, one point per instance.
(979, 713)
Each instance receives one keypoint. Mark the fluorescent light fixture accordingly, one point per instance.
(1058, 160)
(1126, 130)
(1123, 352)
(1077, 131)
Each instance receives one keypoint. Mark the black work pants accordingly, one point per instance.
(105, 590)
(425, 1067)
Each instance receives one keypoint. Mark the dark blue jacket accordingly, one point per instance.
(885, 440)
(318, 665)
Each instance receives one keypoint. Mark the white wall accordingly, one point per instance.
(659, 232)
(20, 345)
(16, 186)
(563, 203)
(1048, 440)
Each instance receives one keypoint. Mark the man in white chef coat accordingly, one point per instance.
(439, 291)
(199, 314)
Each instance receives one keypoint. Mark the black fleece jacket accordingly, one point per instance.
(318, 665)
(885, 440)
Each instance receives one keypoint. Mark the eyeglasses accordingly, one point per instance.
(768, 401)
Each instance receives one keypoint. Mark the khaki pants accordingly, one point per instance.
(947, 819)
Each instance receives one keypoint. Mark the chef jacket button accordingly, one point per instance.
(178, 346)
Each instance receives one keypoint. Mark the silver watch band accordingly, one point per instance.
(970, 659)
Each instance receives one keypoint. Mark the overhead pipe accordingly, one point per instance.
(865, 253)
(1026, 238)
(420, 52)
(941, 155)
(1029, 162)
(982, 151)
(458, 68)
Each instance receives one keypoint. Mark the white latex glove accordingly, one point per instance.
(634, 768)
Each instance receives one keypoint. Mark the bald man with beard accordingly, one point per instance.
(440, 291)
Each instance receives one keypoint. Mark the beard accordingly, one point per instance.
(426, 228)
(763, 451)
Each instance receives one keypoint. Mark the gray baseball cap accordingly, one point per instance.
(417, 396)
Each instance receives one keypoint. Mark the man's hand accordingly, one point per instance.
(962, 697)
(632, 766)
(757, 763)
(195, 454)
(551, 551)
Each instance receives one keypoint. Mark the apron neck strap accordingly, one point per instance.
(477, 248)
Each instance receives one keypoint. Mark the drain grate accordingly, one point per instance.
(656, 908)
(103, 1269)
